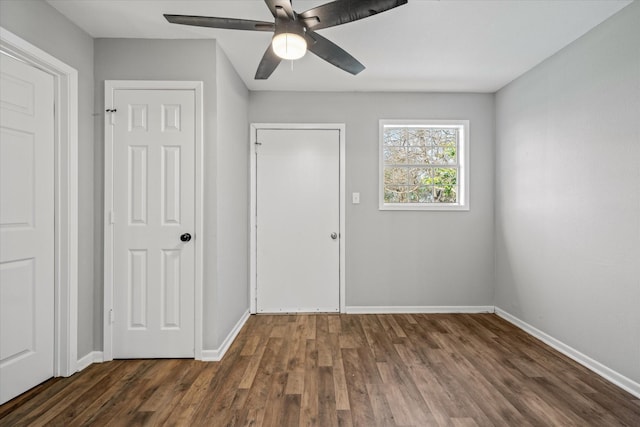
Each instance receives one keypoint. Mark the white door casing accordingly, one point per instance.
(26, 227)
(65, 182)
(152, 140)
(297, 204)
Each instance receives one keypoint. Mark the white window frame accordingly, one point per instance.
(463, 166)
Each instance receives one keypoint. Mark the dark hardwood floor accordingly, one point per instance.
(330, 370)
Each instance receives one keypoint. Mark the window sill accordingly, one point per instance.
(422, 207)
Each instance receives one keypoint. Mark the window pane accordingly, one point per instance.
(445, 176)
(425, 185)
(420, 176)
(440, 156)
(395, 194)
(425, 195)
(394, 136)
(423, 146)
(445, 195)
(445, 181)
(450, 154)
(421, 194)
(395, 155)
(434, 156)
(417, 155)
(395, 176)
(418, 137)
(445, 136)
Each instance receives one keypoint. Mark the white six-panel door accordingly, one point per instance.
(298, 220)
(153, 208)
(26, 227)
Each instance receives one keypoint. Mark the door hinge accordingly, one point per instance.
(111, 319)
(112, 119)
(257, 144)
(112, 217)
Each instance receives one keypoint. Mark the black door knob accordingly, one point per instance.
(185, 237)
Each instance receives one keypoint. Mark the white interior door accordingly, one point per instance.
(26, 227)
(298, 220)
(153, 215)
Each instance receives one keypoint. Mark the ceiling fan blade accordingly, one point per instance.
(285, 5)
(340, 12)
(332, 53)
(226, 23)
(268, 64)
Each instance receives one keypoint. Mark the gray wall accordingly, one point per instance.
(43, 26)
(568, 195)
(404, 258)
(232, 166)
(225, 160)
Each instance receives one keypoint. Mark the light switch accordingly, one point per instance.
(355, 198)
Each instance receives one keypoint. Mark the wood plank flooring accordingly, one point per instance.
(342, 370)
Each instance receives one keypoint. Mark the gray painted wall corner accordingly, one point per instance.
(568, 195)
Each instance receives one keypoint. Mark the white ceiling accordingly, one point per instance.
(448, 45)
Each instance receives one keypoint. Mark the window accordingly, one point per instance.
(424, 165)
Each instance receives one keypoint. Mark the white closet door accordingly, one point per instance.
(298, 220)
(154, 212)
(26, 227)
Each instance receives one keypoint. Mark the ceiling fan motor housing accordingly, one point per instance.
(286, 25)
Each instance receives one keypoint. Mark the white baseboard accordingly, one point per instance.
(89, 359)
(207, 355)
(362, 309)
(597, 367)
(216, 355)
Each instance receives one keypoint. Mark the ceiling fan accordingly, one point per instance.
(294, 32)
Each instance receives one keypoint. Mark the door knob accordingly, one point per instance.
(334, 236)
(185, 237)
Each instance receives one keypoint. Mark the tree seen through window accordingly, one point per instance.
(420, 164)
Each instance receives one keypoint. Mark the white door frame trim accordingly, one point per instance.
(109, 89)
(253, 194)
(65, 199)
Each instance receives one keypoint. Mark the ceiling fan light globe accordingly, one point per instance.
(289, 46)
